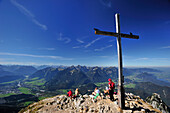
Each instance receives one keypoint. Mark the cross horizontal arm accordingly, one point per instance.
(116, 34)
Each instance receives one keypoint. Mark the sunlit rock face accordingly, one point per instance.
(156, 101)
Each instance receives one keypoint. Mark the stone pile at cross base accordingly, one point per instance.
(85, 104)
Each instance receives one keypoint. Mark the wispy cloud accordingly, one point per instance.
(77, 47)
(152, 59)
(27, 13)
(167, 22)
(36, 56)
(165, 47)
(111, 40)
(65, 39)
(49, 49)
(80, 41)
(30, 63)
(108, 57)
(5, 59)
(92, 42)
(101, 49)
(19, 63)
(106, 3)
(144, 58)
(44, 27)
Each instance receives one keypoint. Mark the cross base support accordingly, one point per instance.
(121, 97)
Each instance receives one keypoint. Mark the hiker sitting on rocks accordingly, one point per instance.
(70, 93)
(76, 93)
(106, 91)
(96, 93)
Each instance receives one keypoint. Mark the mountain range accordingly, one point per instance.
(51, 80)
(15, 72)
(85, 77)
(18, 69)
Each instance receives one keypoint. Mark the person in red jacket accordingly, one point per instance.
(70, 93)
(111, 89)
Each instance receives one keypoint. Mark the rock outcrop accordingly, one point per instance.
(156, 101)
(85, 104)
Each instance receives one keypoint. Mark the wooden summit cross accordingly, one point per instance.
(121, 92)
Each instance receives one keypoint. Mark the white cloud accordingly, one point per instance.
(4, 59)
(167, 22)
(107, 56)
(153, 59)
(165, 47)
(111, 40)
(92, 42)
(31, 63)
(44, 27)
(104, 56)
(49, 49)
(27, 13)
(19, 63)
(160, 58)
(101, 49)
(76, 47)
(65, 39)
(80, 41)
(36, 56)
(106, 3)
(142, 58)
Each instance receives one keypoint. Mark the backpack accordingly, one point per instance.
(112, 85)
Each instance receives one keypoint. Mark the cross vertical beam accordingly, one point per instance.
(118, 34)
(121, 92)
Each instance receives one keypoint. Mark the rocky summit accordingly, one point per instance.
(156, 101)
(86, 104)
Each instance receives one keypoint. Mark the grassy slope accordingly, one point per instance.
(6, 95)
(24, 90)
(10, 82)
(130, 85)
(35, 81)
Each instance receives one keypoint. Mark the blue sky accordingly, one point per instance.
(60, 32)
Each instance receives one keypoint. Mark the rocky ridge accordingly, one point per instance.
(156, 102)
(85, 104)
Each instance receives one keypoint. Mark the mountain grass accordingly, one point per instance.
(131, 85)
(36, 78)
(6, 95)
(63, 91)
(41, 98)
(9, 82)
(101, 84)
(24, 90)
(28, 103)
(134, 78)
(36, 82)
